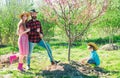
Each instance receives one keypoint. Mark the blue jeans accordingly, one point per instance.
(91, 61)
(42, 44)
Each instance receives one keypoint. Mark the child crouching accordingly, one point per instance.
(94, 58)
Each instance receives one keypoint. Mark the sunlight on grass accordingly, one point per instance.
(40, 60)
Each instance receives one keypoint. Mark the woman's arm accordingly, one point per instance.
(21, 30)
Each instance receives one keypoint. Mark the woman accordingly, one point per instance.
(22, 41)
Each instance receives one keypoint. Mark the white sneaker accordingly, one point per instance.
(28, 67)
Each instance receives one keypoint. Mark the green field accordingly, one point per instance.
(109, 63)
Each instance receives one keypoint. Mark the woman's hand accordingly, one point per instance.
(38, 30)
(41, 35)
(27, 30)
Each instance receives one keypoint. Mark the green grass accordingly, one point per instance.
(110, 61)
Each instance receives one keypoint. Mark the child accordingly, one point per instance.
(22, 41)
(94, 58)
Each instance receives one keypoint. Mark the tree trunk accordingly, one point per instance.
(69, 48)
(69, 42)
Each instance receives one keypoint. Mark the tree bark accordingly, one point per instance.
(69, 42)
(69, 49)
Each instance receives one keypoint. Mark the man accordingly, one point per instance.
(35, 36)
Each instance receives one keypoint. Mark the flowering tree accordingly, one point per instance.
(74, 16)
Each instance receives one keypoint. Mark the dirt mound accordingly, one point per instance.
(110, 47)
(55, 67)
(73, 70)
(4, 60)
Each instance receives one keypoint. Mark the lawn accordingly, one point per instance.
(110, 62)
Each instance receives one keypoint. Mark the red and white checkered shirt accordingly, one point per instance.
(33, 35)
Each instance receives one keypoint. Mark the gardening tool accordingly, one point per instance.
(49, 52)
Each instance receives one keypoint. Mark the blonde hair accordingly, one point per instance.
(19, 24)
(21, 21)
(24, 13)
